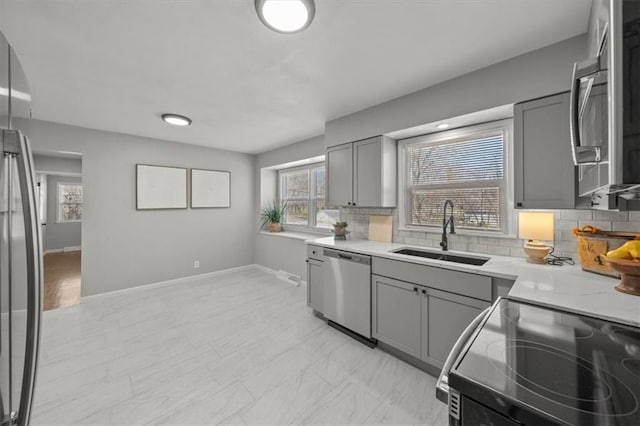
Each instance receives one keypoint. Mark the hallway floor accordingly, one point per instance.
(238, 348)
(61, 279)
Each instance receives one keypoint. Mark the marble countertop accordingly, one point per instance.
(566, 287)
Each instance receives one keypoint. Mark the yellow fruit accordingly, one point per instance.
(631, 245)
(620, 253)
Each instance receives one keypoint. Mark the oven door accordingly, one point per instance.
(589, 121)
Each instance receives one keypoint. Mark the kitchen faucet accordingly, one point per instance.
(445, 242)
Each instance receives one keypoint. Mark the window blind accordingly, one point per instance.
(462, 161)
(468, 171)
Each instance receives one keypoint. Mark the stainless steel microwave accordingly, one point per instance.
(605, 107)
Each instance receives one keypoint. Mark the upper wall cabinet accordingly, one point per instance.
(362, 173)
(545, 177)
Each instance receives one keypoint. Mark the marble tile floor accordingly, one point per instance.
(239, 348)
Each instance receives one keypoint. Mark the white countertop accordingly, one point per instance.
(566, 287)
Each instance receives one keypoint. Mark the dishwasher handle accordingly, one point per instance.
(349, 257)
(442, 385)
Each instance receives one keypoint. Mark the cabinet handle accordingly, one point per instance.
(415, 289)
(424, 292)
(354, 204)
(349, 202)
(519, 204)
(307, 260)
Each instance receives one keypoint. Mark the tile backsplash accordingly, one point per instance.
(565, 221)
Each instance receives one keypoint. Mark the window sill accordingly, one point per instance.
(295, 235)
(438, 230)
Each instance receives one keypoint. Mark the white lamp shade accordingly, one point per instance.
(535, 226)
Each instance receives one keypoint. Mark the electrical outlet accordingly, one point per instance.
(196, 264)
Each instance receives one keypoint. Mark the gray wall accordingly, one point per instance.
(60, 235)
(123, 247)
(534, 74)
(57, 165)
(277, 252)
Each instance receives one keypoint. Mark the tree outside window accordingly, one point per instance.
(69, 202)
(467, 169)
(303, 189)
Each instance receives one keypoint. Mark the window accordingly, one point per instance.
(303, 190)
(466, 166)
(69, 202)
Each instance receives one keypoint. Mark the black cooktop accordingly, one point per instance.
(540, 365)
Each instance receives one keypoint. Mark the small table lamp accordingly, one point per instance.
(535, 226)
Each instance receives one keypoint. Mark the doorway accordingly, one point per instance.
(60, 196)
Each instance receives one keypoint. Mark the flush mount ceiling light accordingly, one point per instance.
(176, 120)
(442, 126)
(286, 16)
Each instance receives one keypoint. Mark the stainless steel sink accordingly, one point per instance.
(448, 257)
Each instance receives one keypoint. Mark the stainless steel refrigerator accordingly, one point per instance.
(20, 249)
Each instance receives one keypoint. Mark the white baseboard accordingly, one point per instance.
(264, 269)
(181, 280)
(63, 250)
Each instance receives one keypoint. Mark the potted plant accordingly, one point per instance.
(273, 215)
(340, 230)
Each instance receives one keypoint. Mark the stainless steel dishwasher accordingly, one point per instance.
(347, 290)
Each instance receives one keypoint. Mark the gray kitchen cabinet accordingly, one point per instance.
(315, 284)
(362, 173)
(463, 283)
(339, 180)
(444, 318)
(396, 314)
(421, 310)
(545, 177)
(315, 278)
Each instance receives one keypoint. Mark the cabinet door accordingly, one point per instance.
(545, 177)
(396, 314)
(315, 284)
(339, 162)
(367, 173)
(444, 318)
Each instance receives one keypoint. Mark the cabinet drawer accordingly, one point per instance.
(466, 284)
(314, 252)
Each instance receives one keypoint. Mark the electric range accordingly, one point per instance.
(533, 365)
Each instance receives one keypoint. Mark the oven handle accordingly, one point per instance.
(582, 154)
(442, 385)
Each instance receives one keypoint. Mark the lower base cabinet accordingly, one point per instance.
(444, 318)
(418, 320)
(396, 314)
(315, 284)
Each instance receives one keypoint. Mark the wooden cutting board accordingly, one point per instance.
(380, 228)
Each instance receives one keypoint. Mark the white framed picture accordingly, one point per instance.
(160, 187)
(210, 189)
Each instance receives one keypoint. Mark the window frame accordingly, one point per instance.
(312, 199)
(505, 126)
(59, 214)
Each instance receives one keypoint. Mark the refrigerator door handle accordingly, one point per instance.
(442, 385)
(33, 241)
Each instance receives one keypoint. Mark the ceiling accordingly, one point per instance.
(119, 64)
